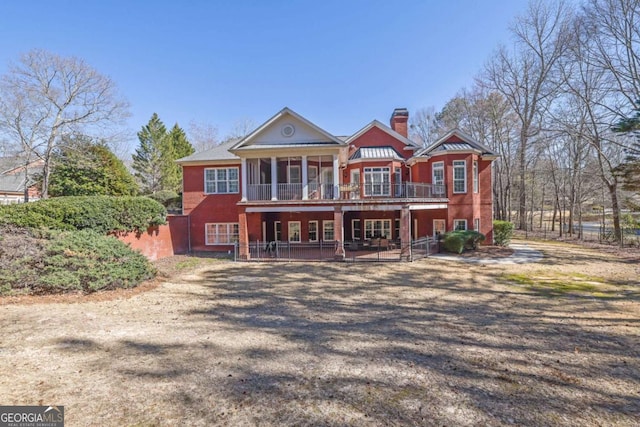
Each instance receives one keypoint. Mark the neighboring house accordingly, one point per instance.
(290, 180)
(13, 180)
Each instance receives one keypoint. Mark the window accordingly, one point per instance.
(396, 227)
(438, 173)
(476, 183)
(377, 228)
(459, 176)
(221, 233)
(327, 230)
(460, 224)
(294, 174)
(356, 234)
(376, 182)
(439, 227)
(438, 178)
(476, 224)
(294, 231)
(313, 231)
(277, 230)
(221, 180)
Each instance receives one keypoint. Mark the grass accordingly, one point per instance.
(555, 284)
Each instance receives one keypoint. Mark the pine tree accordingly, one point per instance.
(150, 157)
(175, 147)
(630, 170)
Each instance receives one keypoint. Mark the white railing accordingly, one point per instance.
(406, 190)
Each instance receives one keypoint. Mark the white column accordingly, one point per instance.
(274, 178)
(305, 179)
(336, 177)
(243, 177)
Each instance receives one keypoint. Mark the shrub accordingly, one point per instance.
(458, 241)
(453, 242)
(101, 214)
(63, 261)
(502, 232)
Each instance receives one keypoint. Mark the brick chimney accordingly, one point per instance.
(399, 120)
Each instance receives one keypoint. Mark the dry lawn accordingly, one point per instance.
(433, 342)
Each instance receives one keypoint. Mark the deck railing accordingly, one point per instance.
(405, 190)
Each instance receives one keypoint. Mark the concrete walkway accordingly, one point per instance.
(523, 254)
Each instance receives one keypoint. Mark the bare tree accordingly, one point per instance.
(423, 127)
(614, 32)
(46, 96)
(526, 77)
(240, 129)
(203, 136)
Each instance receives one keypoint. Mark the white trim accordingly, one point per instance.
(204, 177)
(275, 230)
(427, 207)
(326, 222)
(453, 177)
(215, 224)
(296, 208)
(285, 111)
(381, 220)
(315, 221)
(353, 227)
(362, 208)
(386, 129)
(289, 224)
(476, 224)
(459, 219)
(475, 176)
(433, 175)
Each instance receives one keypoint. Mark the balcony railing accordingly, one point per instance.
(406, 190)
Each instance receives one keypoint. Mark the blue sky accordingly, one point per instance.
(340, 64)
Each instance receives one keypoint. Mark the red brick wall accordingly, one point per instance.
(375, 137)
(161, 241)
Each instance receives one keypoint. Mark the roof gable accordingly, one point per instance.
(386, 129)
(456, 141)
(286, 128)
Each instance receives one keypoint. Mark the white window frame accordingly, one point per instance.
(384, 174)
(476, 181)
(476, 224)
(315, 223)
(370, 228)
(224, 233)
(291, 175)
(215, 181)
(292, 233)
(437, 166)
(325, 229)
(456, 222)
(460, 165)
(353, 229)
(277, 231)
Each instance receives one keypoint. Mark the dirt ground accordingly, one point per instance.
(433, 342)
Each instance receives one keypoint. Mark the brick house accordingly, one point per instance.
(292, 181)
(18, 180)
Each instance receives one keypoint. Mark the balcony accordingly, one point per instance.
(367, 191)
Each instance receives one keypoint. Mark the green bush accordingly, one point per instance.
(458, 241)
(502, 232)
(453, 242)
(101, 214)
(64, 261)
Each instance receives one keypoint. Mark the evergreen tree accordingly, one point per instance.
(82, 167)
(149, 158)
(175, 147)
(630, 170)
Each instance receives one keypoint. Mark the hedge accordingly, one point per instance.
(502, 232)
(101, 214)
(458, 241)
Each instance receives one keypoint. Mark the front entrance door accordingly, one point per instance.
(439, 227)
(327, 183)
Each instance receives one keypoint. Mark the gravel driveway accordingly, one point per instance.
(433, 342)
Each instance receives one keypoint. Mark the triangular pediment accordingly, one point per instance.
(287, 129)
